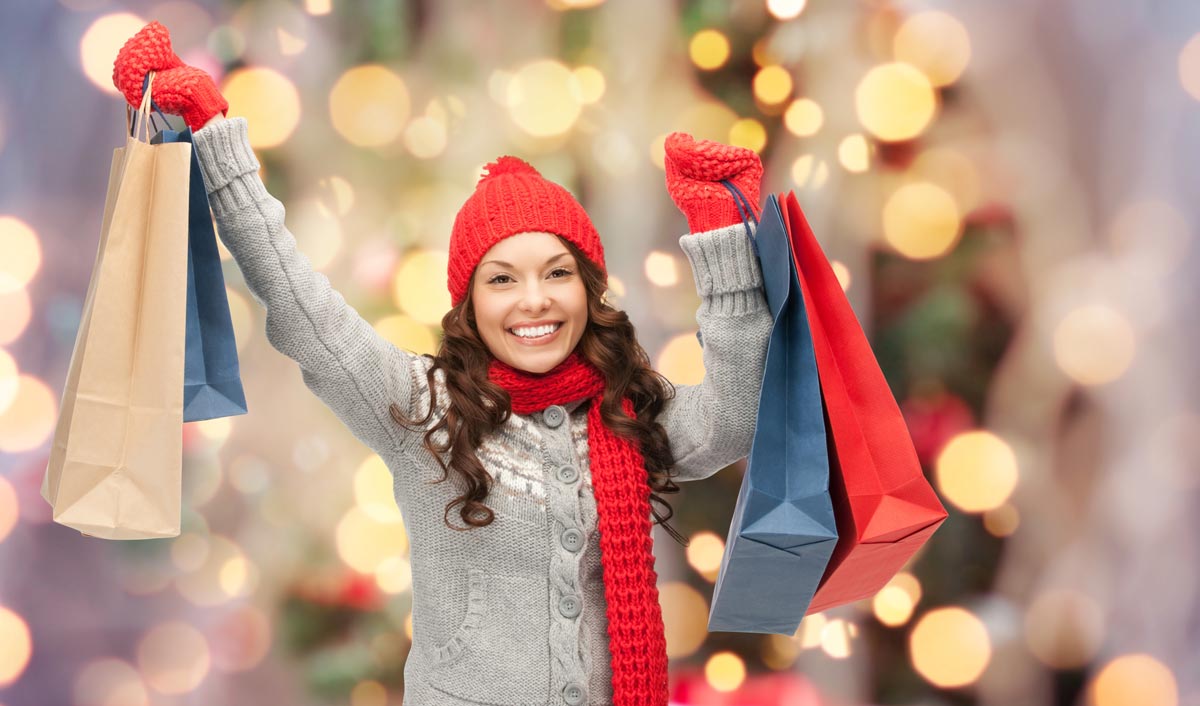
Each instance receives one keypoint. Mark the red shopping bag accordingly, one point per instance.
(884, 507)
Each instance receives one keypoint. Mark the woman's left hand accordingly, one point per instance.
(694, 174)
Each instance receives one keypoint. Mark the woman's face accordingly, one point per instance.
(529, 278)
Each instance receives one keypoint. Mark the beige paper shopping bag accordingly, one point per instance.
(115, 465)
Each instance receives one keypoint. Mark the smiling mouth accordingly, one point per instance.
(537, 339)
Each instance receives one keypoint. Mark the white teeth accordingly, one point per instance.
(535, 332)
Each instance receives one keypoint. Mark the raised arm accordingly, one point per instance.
(350, 367)
(711, 425)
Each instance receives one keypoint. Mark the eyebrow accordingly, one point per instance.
(509, 264)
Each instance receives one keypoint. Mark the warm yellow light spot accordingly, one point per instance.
(682, 360)
(364, 543)
(540, 100)
(804, 117)
(709, 49)
(1064, 628)
(373, 490)
(233, 575)
(15, 312)
(241, 316)
(22, 253)
(30, 417)
(419, 286)
(842, 273)
(810, 630)
(16, 647)
(394, 575)
(950, 647)
(936, 43)
(661, 269)
(215, 430)
(318, 7)
(173, 657)
(1094, 345)
(9, 380)
(369, 105)
(725, 671)
(223, 574)
(855, 153)
(921, 221)
(895, 102)
(748, 133)
(562, 5)
(588, 84)
(951, 170)
(704, 554)
(368, 693)
(425, 137)
(99, 46)
(1134, 680)
(786, 9)
(269, 102)
(772, 84)
(836, 636)
(109, 681)
(706, 120)
(1002, 521)
(317, 229)
(10, 508)
(892, 605)
(407, 334)
(977, 471)
(337, 194)
(779, 651)
(289, 44)
(1189, 67)
(685, 615)
(188, 551)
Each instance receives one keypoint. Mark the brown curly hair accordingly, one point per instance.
(609, 342)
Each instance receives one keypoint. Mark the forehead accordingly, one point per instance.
(526, 248)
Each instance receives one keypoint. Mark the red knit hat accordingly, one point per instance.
(511, 198)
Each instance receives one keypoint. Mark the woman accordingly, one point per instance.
(540, 403)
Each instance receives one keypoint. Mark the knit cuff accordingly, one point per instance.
(726, 270)
(229, 166)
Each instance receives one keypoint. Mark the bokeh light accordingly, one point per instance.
(425, 138)
(9, 379)
(895, 102)
(704, 553)
(810, 630)
(30, 418)
(240, 314)
(936, 43)
(748, 133)
(951, 171)
(950, 647)
(772, 84)
(10, 508)
(708, 49)
(836, 638)
(682, 360)
(99, 46)
(661, 269)
(22, 253)
(364, 542)
(725, 671)
(269, 102)
(368, 693)
(804, 117)
(369, 105)
(173, 657)
(808, 172)
(221, 573)
(893, 605)
(407, 334)
(318, 231)
(921, 221)
(373, 490)
(15, 312)
(107, 682)
(1189, 66)
(786, 9)
(588, 84)
(394, 575)
(419, 286)
(1094, 344)
(541, 99)
(1002, 521)
(685, 615)
(977, 471)
(1152, 235)
(842, 273)
(1134, 680)
(16, 646)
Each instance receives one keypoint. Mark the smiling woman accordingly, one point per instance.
(530, 303)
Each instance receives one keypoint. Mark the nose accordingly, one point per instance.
(534, 297)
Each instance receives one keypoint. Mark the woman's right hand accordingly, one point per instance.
(178, 89)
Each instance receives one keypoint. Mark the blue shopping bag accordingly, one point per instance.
(783, 531)
(212, 381)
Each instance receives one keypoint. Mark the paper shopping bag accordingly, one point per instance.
(783, 530)
(116, 459)
(885, 507)
(212, 381)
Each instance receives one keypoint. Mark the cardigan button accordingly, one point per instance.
(567, 474)
(554, 415)
(569, 606)
(573, 693)
(572, 539)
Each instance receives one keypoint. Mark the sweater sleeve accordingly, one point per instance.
(711, 424)
(350, 367)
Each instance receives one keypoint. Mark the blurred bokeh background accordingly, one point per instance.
(1007, 190)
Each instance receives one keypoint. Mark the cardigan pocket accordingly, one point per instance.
(500, 654)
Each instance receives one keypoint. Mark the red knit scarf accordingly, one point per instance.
(637, 638)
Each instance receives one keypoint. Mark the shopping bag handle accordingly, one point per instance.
(129, 123)
(745, 211)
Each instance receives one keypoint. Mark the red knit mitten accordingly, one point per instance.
(148, 50)
(178, 89)
(694, 173)
(188, 92)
